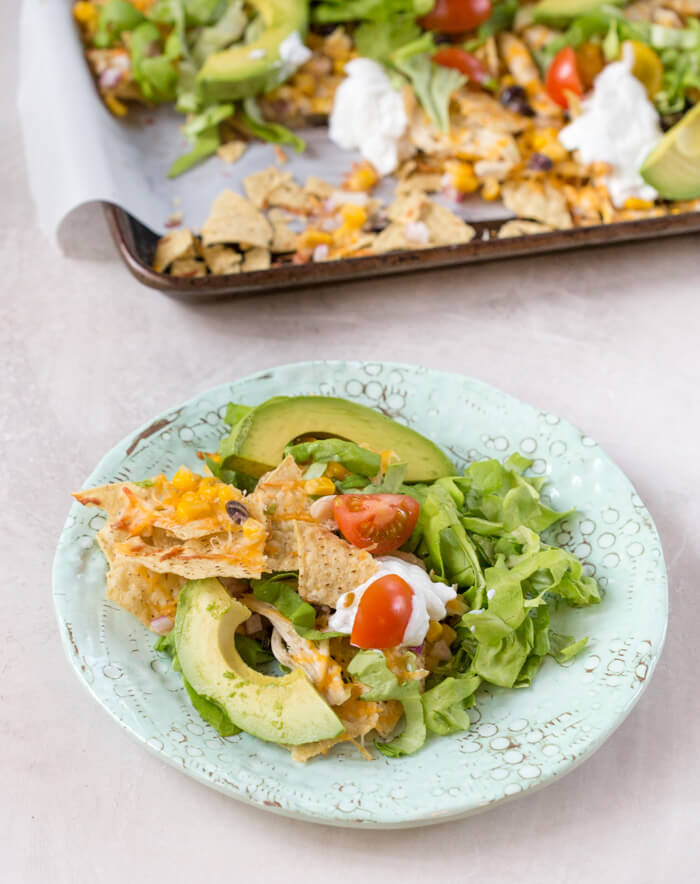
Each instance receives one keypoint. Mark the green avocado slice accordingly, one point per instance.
(256, 443)
(673, 167)
(243, 71)
(281, 710)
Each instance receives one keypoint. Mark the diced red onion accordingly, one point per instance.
(321, 252)
(110, 77)
(417, 231)
(162, 625)
(418, 649)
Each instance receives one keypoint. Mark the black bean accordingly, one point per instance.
(514, 98)
(236, 511)
(539, 162)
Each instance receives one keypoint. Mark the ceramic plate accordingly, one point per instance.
(519, 740)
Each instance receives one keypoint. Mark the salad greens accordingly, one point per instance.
(483, 532)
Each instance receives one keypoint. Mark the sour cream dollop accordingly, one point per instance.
(368, 115)
(429, 600)
(618, 126)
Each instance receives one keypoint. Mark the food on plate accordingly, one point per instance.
(333, 577)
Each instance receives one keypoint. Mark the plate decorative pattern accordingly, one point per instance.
(519, 740)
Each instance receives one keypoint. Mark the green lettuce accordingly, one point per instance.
(351, 456)
(272, 132)
(370, 669)
(374, 10)
(115, 17)
(278, 591)
(432, 83)
(252, 652)
(445, 705)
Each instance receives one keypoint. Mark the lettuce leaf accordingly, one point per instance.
(272, 132)
(432, 83)
(278, 591)
(252, 652)
(370, 669)
(351, 456)
(115, 17)
(445, 704)
(374, 10)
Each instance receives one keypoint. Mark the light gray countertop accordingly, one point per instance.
(607, 339)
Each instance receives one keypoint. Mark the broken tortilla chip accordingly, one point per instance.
(233, 219)
(232, 151)
(178, 244)
(222, 259)
(329, 565)
(256, 259)
(540, 201)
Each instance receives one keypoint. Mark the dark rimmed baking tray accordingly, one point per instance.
(136, 244)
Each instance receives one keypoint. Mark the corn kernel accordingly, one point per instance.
(311, 238)
(85, 13)
(434, 631)
(118, 108)
(226, 493)
(387, 458)
(635, 202)
(321, 105)
(184, 479)
(354, 216)
(463, 178)
(362, 177)
(209, 493)
(190, 507)
(448, 633)
(319, 487)
(339, 66)
(336, 471)
(491, 189)
(456, 606)
(305, 83)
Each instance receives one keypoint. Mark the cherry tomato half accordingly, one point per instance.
(463, 61)
(383, 613)
(456, 16)
(563, 76)
(377, 522)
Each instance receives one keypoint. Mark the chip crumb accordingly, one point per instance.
(232, 151)
(188, 268)
(174, 220)
(222, 259)
(233, 219)
(280, 155)
(518, 227)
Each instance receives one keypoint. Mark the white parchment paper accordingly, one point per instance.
(77, 152)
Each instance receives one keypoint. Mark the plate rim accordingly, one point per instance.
(412, 819)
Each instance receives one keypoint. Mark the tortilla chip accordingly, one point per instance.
(425, 182)
(445, 228)
(281, 499)
(232, 151)
(393, 239)
(141, 592)
(188, 268)
(329, 565)
(235, 220)
(218, 555)
(318, 188)
(127, 504)
(518, 227)
(174, 245)
(539, 201)
(256, 259)
(272, 187)
(283, 238)
(222, 259)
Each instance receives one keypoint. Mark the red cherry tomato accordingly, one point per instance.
(456, 16)
(463, 61)
(377, 522)
(563, 75)
(383, 613)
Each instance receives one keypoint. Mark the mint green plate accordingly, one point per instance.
(519, 740)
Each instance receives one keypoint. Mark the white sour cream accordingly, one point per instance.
(368, 115)
(618, 126)
(429, 600)
(293, 53)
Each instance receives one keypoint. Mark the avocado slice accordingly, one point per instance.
(559, 13)
(673, 167)
(281, 710)
(256, 443)
(258, 66)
